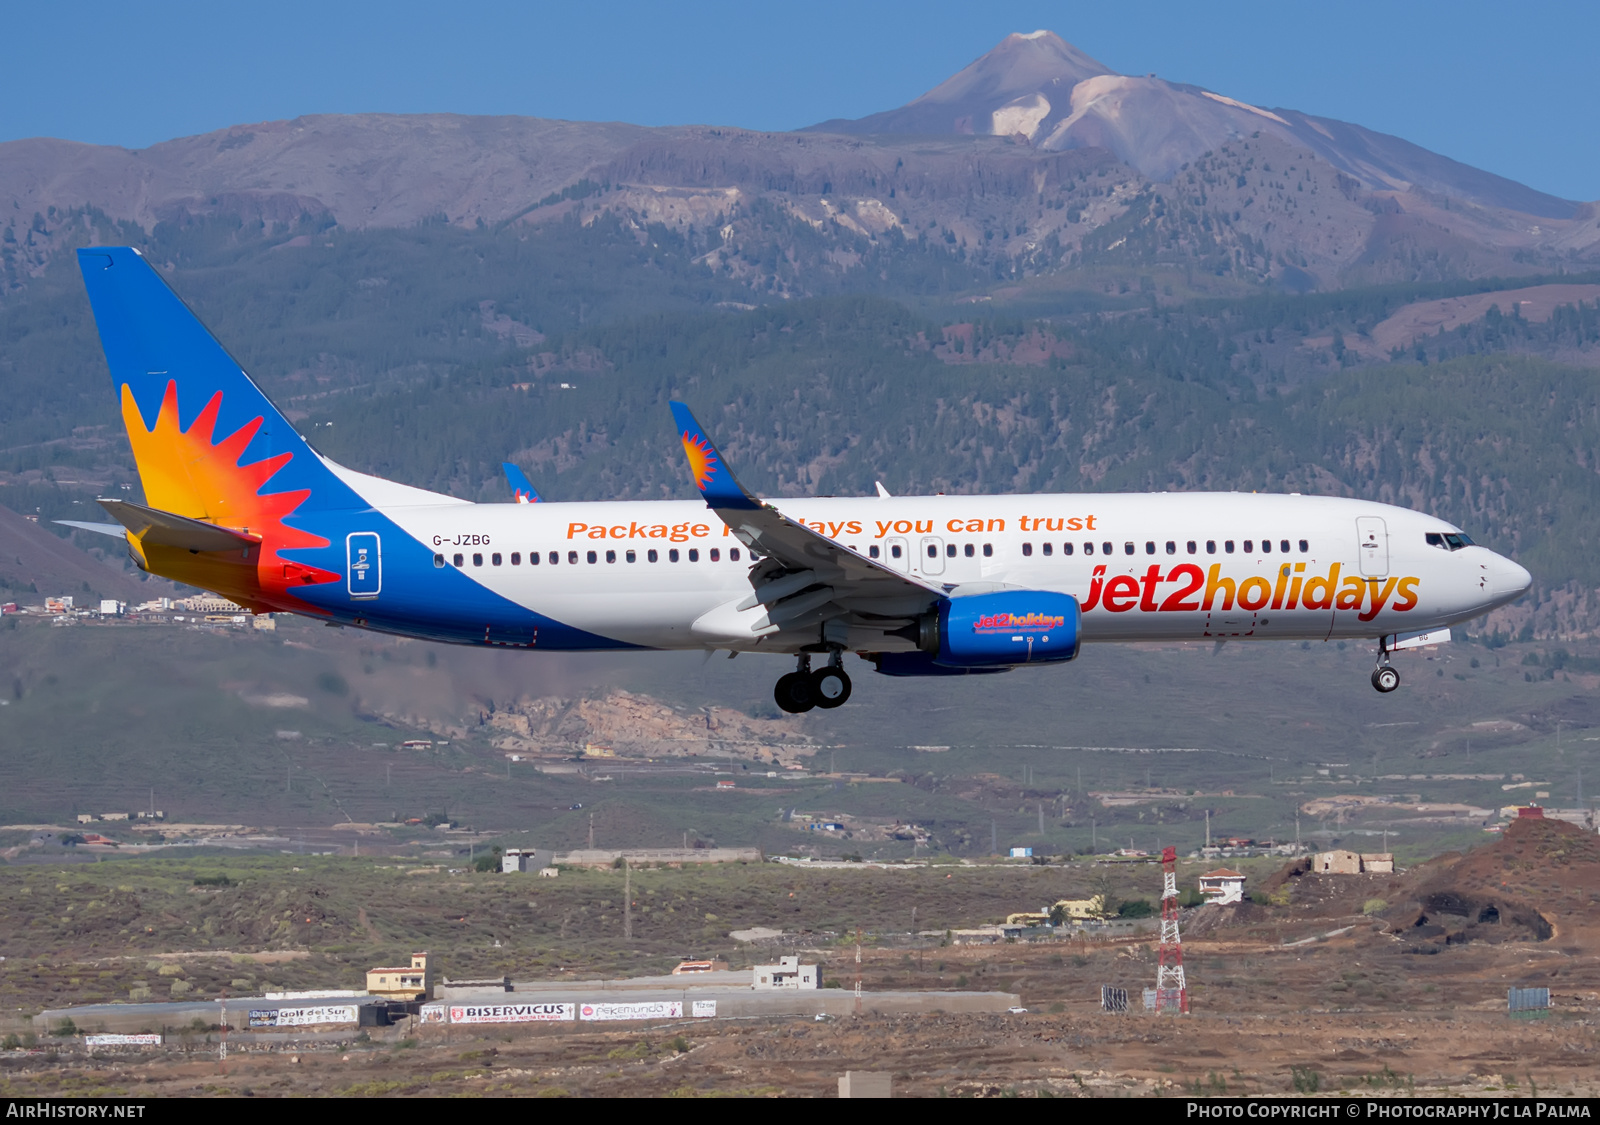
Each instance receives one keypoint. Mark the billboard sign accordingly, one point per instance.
(510, 1013)
(303, 1017)
(122, 1040)
(638, 1010)
(704, 1008)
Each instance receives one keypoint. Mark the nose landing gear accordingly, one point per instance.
(1384, 678)
(801, 690)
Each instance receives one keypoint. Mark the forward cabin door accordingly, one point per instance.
(1372, 536)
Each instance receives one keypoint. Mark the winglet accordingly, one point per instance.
(521, 486)
(711, 473)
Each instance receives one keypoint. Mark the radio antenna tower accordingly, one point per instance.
(1172, 991)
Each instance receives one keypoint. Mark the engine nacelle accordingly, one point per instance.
(1002, 629)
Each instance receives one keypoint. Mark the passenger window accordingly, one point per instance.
(1172, 548)
(950, 550)
(1066, 548)
(572, 557)
(968, 550)
(894, 551)
(494, 559)
(1211, 546)
(1127, 549)
(988, 550)
(1283, 545)
(1266, 546)
(1105, 548)
(716, 554)
(652, 555)
(457, 560)
(1305, 547)
(592, 556)
(611, 556)
(1149, 548)
(733, 554)
(872, 551)
(1249, 546)
(477, 559)
(1227, 546)
(1027, 550)
(694, 554)
(632, 556)
(1190, 546)
(533, 558)
(438, 560)
(516, 558)
(933, 551)
(1088, 548)
(1047, 549)
(672, 555)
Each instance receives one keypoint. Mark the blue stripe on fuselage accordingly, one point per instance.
(421, 600)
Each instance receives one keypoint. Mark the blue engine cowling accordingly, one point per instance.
(1008, 628)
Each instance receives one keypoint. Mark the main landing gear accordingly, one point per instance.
(1384, 677)
(803, 689)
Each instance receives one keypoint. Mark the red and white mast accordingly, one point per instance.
(1172, 991)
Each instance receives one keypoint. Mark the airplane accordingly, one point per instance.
(237, 502)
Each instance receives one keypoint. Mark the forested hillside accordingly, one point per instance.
(432, 353)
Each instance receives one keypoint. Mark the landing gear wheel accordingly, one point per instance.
(1385, 678)
(794, 694)
(830, 687)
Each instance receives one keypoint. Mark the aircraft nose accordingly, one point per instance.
(1508, 580)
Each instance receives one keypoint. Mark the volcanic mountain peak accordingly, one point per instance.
(1020, 65)
(1045, 90)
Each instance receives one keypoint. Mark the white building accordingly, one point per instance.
(1222, 886)
(787, 973)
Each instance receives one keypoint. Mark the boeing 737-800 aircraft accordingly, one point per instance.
(238, 503)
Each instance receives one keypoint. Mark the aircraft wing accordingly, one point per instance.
(820, 571)
(163, 529)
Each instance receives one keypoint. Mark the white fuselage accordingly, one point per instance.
(1153, 566)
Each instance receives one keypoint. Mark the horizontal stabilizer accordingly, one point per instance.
(163, 529)
(115, 529)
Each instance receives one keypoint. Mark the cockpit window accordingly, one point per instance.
(1450, 541)
(1457, 541)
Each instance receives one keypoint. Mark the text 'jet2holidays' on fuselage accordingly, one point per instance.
(236, 501)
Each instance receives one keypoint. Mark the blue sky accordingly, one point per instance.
(1511, 88)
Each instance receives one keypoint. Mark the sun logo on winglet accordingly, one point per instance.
(702, 459)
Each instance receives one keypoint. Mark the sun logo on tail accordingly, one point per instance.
(194, 473)
(702, 459)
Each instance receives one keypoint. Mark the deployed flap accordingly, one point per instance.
(163, 529)
(763, 528)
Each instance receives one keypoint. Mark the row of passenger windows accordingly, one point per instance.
(1190, 547)
(652, 555)
(970, 550)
